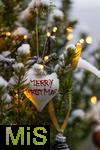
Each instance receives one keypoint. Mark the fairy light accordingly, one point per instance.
(93, 100)
(17, 95)
(89, 40)
(55, 29)
(41, 67)
(81, 41)
(48, 34)
(69, 29)
(17, 99)
(70, 36)
(8, 34)
(46, 58)
(25, 37)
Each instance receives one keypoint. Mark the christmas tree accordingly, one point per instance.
(40, 82)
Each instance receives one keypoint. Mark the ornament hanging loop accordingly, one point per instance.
(37, 32)
(51, 110)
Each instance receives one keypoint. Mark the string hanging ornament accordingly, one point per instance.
(47, 43)
(40, 91)
(37, 32)
(43, 87)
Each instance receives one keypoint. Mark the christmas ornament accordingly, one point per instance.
(87, 66)
(42, 87)
(74, 52)
(96, 136)
(77, 62)
(60, 143)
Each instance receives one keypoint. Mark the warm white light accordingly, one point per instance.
(89, 40)
(69, 29)
(93, 100)
(8, 34)
(25, 37)
(46, 58)
(55, 29)
(48, 34)
(70, 36)
(41, 67)
(81, 41)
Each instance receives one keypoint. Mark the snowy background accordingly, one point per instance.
(87, 12)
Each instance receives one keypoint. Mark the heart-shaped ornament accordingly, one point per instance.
(42, 87)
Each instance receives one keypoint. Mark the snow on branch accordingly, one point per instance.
(56, 11)
(6, 60)
(20, 31)
(3, 82)
(24, 49)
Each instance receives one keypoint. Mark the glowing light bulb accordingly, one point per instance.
(48, 34)
(41, 67)
(81, 41)
(89, 40)
(46, 58)
(16, 96)
(69, 29)
(8, 34)
(55, 29)
(25, 37)
(93, 100)
(70, 36)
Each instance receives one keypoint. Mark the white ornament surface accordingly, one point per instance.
(87, 66)
(42, 86)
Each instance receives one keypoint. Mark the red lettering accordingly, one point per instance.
(44, 92)
(46, 82)
(37, 83)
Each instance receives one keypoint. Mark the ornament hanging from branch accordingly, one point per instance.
(83, 64)
(78, 62)
(73, 60)
(42, 86)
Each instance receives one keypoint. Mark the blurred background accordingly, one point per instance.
(87, 13)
